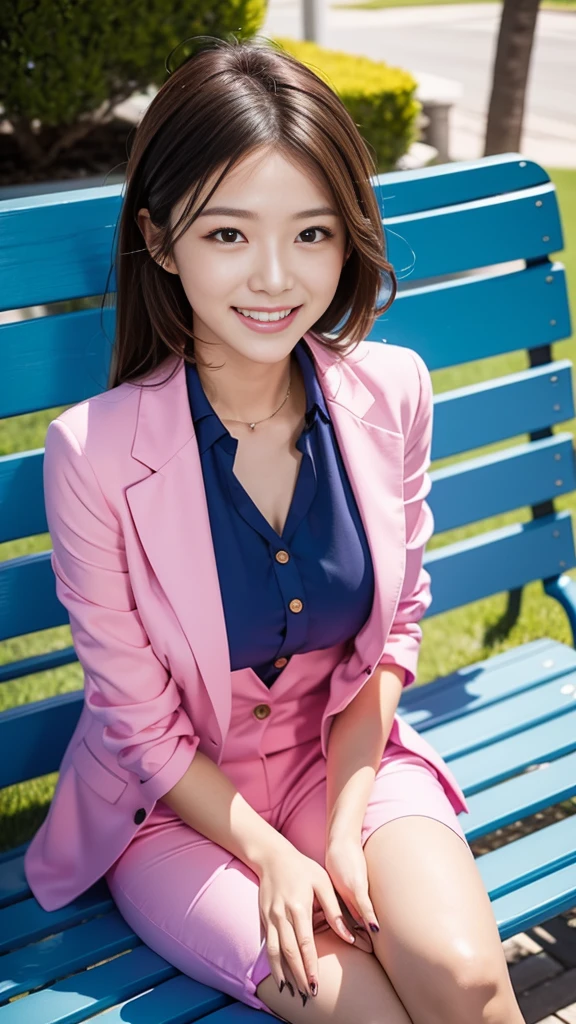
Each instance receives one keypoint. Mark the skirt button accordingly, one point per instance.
(262, 710)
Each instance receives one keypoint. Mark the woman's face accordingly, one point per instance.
(279, 245)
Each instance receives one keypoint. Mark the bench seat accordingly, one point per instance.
(521, 704)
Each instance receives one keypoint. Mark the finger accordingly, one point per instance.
(352, 922)
(365, 910)
(291, 984)
(302, 924)
(291, 952)
(328, 899)
(274, 953)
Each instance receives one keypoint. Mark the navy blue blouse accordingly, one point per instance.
(309, 588)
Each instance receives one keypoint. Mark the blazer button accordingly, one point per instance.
(139, 816)
(262, 710)
(282, 556)
(368, 669)
(296, 605)
(280, 662)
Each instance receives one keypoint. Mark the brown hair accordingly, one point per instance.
(214, 109)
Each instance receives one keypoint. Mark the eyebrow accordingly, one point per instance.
(229, 211)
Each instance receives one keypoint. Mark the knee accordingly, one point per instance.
(468, 988)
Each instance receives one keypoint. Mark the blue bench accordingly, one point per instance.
(482, 286)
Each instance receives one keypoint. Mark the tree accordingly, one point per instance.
(511, 69)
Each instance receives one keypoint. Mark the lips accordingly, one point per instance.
(238, 310)
(267, 326)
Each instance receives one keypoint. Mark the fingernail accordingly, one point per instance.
(374, 927)
(304, 997)
(313, 988)
(282, 984)
(290, 987)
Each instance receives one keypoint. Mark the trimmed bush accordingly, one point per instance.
(63, 66)
(380, 98)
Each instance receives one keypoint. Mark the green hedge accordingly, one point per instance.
(379, 98)
(61, 62)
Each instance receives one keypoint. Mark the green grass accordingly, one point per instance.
(452, 640)
(373, 5)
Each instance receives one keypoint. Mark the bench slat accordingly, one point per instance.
(499, 560)
(27, 922)
(536, 902)
(64, 953)
(54, 360)
(490, 563)
(62, 359)
(462, 493)
(540, 398)
(479, 233)
(176, 1001)
(511, 756)
(529, 858)
(518, 403)
(33, 737)
(28, 600)
(520, 797)
(37, 663)
(505, 718)
(61, 244)
(520, 476)
(408, 192)
(478, 685)
(79, 997)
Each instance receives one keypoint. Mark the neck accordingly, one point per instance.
(248, 392)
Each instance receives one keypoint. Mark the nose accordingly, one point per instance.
(271, 270)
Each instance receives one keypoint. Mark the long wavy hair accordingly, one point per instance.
(218, 106)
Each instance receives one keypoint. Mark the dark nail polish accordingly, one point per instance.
(304, 997)
(313, 988)
(290, 987)
(374, 927)
(282, 984)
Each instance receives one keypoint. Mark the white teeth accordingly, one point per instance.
(265, 317)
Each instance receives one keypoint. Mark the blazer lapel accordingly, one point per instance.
(171, 517)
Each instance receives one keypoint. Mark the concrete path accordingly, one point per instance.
(458, 42)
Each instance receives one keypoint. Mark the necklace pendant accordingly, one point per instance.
(251, 425)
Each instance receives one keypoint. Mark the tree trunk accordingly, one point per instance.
(511, 68)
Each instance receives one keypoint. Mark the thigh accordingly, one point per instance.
(438, 939)
(194, 904)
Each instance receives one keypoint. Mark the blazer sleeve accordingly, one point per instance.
(126, 687)
(403, 644)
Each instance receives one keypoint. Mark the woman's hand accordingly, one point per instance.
(289, 884)
(346, 865)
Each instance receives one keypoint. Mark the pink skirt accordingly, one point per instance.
(196, 905)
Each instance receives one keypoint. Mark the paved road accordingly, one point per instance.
(459, 42)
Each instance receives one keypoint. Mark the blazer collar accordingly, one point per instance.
(165, 423)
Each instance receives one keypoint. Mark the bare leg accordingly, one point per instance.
(438, 941)
(352, 989)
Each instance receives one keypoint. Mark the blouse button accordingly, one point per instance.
(296, 605)
(262, 710)
(282, 556)
(280, 662)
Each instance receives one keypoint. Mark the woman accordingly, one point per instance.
(238, 541)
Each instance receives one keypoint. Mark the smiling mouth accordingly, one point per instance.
(260, 316)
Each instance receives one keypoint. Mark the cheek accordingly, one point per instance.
(204, 276)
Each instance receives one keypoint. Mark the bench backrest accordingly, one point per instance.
(482, 286)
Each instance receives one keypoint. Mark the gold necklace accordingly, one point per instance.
(252, 425)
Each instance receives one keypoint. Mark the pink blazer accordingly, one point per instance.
(135, 568)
